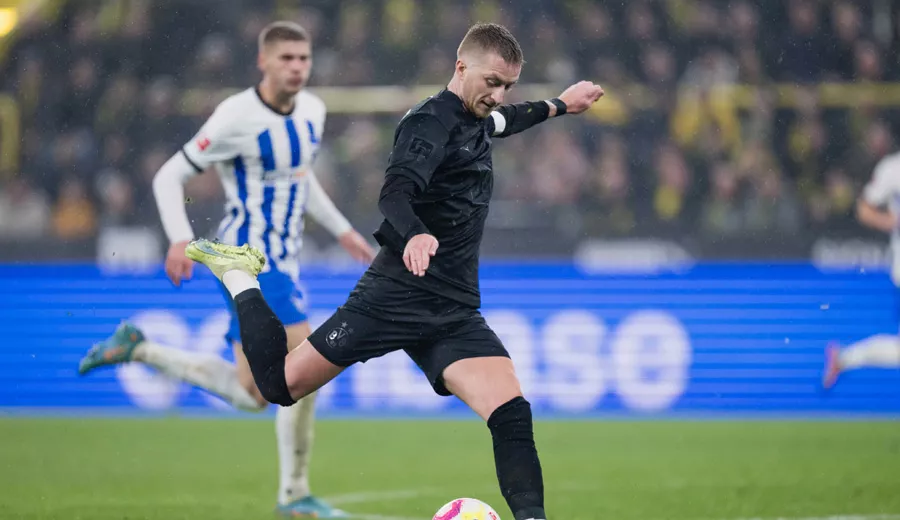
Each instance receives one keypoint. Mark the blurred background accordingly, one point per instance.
(720, 170)
(687, 249)
(730, 129)
(705, 206)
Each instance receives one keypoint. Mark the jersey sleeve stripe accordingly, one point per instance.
(191, 161)
(312, 133)
(295, 142)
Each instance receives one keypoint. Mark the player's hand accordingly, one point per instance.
(418, 252)
(580, 96)
(356, 245)
(178, 266)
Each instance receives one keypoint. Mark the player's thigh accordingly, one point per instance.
(349, 337)
(306, 370)
(297, 334)
(470, 362)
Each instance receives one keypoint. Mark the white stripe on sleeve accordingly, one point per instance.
(320, 206)
(168, 189)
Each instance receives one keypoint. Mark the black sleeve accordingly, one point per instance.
(396, 206)
(419, 148)
(522, 116)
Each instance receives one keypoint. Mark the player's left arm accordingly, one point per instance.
(514, 118)
(876, 196)
(322, 209)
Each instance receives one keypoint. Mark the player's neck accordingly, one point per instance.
(455, 86)
(279, 101)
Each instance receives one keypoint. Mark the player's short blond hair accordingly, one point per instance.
(282, 30)
(492, 37)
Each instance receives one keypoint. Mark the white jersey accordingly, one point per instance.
(264, 160)
(884, 190)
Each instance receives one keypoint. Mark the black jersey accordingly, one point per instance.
(440, 168)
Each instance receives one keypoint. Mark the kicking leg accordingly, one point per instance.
(879, 351)
(490, 387)
(204, 370)
(282, 378)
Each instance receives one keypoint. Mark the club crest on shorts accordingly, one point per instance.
(338, 336)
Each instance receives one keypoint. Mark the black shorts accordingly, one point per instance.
(382, 316)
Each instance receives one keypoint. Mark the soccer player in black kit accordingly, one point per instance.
(421, 293)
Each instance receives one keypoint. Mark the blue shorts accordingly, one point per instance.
(284, 297)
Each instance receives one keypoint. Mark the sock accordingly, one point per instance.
(881, 351)
(265, 345)
(516, 459)
(294, 429)
(207, 371)
(238, 281)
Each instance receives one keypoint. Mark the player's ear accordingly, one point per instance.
(261, 60)
(460, 68)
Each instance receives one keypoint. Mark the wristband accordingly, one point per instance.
(560, 106)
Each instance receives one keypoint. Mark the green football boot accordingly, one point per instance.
(221, 258)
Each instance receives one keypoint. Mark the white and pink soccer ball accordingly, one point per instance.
(466, 509)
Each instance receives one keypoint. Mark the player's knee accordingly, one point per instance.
(272, 384)
(277, 393)
(490, 402)
(501, 392)
(300, 389)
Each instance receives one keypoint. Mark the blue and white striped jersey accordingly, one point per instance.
(264, 160)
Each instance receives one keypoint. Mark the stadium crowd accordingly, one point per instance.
(100, 87)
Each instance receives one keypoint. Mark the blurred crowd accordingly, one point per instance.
(103, 90)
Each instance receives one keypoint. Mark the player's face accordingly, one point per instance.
(287, 65)
(486, 80)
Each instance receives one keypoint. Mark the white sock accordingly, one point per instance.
(294, 429)
(238, 281)
(206, 371)
(880, 351)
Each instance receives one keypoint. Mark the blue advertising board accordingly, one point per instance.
(712, 339)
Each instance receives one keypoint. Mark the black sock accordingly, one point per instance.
(265, 345)
(516, 458)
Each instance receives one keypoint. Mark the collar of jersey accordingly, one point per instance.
(458, 103)
(270, 107)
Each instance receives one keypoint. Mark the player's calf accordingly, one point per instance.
(264, 343)
(490, 387)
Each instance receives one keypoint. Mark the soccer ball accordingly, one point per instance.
(466, 509)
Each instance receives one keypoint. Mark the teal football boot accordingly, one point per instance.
(114, 350)
(310, 507)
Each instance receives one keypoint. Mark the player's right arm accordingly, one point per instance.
(872, 207)
(419, 148)
(512, 119)
(212, 143)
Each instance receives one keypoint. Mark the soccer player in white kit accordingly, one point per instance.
(877, 208)
(261, 142)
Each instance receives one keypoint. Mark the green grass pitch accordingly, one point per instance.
(178, 468)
